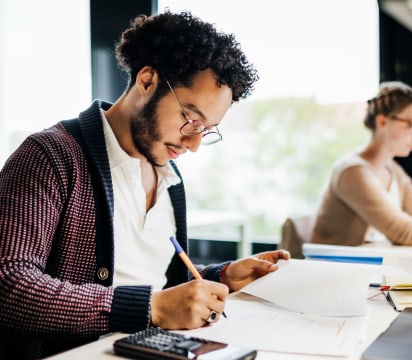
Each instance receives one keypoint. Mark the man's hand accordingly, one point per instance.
(243, 271)
(188, 306)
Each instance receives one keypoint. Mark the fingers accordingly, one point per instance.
(284, 254)
(211, 296)
(263, 263)
(218, 290)
(189, 305)
(217, 308)
(274, 256)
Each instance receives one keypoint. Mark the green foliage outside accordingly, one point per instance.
(274, 160)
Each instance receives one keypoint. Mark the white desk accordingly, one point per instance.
(380, 316)
(203, 219)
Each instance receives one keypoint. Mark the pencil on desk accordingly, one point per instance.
(187, 261)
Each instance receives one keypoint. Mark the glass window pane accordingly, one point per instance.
(318, 63)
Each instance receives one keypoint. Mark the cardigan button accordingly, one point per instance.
(103, 273)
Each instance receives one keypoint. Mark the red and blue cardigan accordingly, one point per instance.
(56, 244)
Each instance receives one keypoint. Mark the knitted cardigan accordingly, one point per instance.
(56, 248)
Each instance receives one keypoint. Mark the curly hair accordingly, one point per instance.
(392, 98)
(180, 45)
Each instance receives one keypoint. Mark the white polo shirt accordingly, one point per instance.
(141, 240)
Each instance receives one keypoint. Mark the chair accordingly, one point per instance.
(296, 231)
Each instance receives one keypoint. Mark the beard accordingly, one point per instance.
(144, 129)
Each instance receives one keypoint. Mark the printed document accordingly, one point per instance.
(259, 324)
(316, 287)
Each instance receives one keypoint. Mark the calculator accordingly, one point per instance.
(155, 343)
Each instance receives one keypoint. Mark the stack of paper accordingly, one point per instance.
(307, 307)
(260, 325)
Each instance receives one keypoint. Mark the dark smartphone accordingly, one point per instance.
(155, 343)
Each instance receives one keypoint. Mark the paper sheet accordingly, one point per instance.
(262, 326)
(400, 261)
(316, 287)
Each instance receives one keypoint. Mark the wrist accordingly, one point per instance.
(223, 274)
(153, 315)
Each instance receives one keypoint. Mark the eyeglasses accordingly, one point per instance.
(405, 121)
(191, 127)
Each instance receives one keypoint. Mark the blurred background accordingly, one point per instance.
(318, 61)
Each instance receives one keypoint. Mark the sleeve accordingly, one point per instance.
(405, 184)
(33, 186)
(130, 308)
(213, 272)
(360, 190)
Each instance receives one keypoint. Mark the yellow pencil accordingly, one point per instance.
(187, 261)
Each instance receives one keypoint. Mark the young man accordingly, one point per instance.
(87, 207)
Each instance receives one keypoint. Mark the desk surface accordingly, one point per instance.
(380, 315)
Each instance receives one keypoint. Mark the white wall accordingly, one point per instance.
(45, 65)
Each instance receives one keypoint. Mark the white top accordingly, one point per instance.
(141, 240)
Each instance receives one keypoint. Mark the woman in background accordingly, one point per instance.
(369, 195)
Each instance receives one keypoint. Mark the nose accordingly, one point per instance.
(192, 143)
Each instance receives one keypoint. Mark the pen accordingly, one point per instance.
(187, 261)
(388, 297)
(383, 289)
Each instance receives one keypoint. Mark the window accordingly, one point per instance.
(318, 64)
(45, 66)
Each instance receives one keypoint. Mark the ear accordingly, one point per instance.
(147, 80)
(381, 121)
